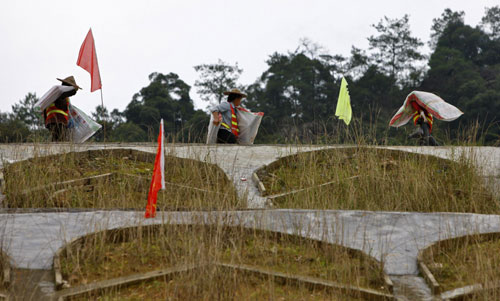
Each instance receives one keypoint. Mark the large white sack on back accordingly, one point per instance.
(82, 126)
(52, 95)
(434, 104)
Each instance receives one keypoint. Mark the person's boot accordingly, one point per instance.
(432, 141)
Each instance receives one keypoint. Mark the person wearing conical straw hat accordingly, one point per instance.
(225, 114)
(56, 115)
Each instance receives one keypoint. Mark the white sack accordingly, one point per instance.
(212, 131)
(248, 124)
(52, 95)
(82, 126)
(434, 104)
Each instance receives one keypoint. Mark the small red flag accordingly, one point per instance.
(158, 180)
(87, 59)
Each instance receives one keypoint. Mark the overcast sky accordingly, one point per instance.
(40, 40)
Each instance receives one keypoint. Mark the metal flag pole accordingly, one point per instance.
(102, 118)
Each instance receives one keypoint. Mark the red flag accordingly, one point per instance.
(87, 59)
(158, 180)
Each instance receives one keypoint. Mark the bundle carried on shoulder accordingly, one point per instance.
(52, 95)
(434, 104)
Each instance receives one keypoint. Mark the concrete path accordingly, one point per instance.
(31, 239)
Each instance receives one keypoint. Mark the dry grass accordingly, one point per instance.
(377, 179)
(466, 261)
(3, 259)
(111, 254)
(237, 286)
(4, 263)
(190, 183)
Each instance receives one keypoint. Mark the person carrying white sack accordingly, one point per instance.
(226, 115)
(422, 107)
(56, 115)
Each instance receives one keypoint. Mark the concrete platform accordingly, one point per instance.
(31, 239)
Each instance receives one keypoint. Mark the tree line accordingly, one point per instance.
(298, 90)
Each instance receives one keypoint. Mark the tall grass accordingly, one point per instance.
(3, 264)
(111, 254)
(40, 182)
(377, 179)
(235, 285)
(467, 261)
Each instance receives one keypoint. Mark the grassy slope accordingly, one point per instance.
(106, 256)
(377, 179)
(237, 286)
(120, 191)
(464, 261)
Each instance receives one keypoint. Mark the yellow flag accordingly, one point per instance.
(344, 110)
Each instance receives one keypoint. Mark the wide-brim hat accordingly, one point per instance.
(235, 91)
(70, 80)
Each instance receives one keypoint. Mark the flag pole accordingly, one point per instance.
(102, 117)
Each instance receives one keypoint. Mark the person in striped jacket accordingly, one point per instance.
(225, 114)
(424, 120)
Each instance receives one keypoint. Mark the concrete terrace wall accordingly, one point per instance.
(31, 239)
